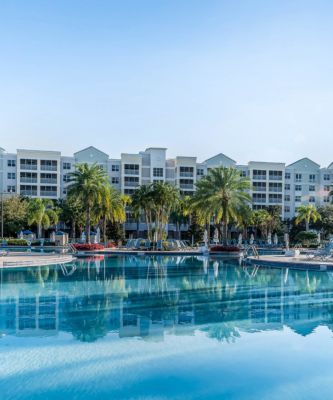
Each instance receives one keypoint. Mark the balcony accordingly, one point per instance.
(259, 189)
(131, 184)
(28, 192)
(275, 178)
(261, 201)
(186, 174)
(48, 168)
(275, 190)
(131, 172)
(259, 177)
(275, 201)
(48, 193)
(28, 167)
(48, 180)
(186, 186)
(28, 180)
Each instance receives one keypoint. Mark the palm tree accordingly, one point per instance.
(307, 213)
(72, 213)
(142, 203)
(182, 213)
(222, 193)
(111, 208)
(87, 184)
(42, 213)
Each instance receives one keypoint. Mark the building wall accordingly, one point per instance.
(38, 173)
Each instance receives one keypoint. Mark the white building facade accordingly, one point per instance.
(45, 174)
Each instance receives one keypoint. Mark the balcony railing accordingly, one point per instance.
(261, 201)
(48, 180)
(275, 201)
(259, 177)
(28, 167)
(28, 192)
(131, 172)
(186, 186)
(48, 167)
(48, 193)
(186, 174)
(259, 189)
(275, 178)
(28, 180)
(275, 190)
(131, 184)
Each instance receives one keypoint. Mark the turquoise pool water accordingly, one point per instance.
(165, 328)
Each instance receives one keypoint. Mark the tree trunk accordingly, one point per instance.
(307, 225)
(104, 230)
(73, 230)
(39, 231)
(88, 225)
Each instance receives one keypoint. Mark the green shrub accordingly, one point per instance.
(307, 238)
(17, 242)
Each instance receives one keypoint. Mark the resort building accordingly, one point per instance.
(45, 174)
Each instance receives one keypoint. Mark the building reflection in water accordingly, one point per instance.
(148, 297)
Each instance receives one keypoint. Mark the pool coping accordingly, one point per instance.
(290, 262)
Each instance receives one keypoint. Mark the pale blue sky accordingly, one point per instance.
(252, 79)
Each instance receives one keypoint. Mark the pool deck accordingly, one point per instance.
(31, 260)
(301, 262)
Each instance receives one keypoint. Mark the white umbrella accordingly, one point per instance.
(83, 236)
(240, 239)
(205, 237)
(216, 268)
(98, 235)
(251, 238)
(276, 241)
(205, 264)
(216, 236)
(52, 236)
(269, 239)
(286, 240)
(21, 235)
(318, 238)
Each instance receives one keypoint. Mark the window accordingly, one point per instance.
(243, 173)
(66, 165)
(11, 163)
(287, 175)
(131, 169)
(259, 174)
(259, 186)
(115, 168)
(287, 197)
(275, 175)
(275, 187)
(326, 199)
(275, 198)
(27, 163)
(287, 209)
(327, 177)
(298, 188)
(186, 172)
(64, 191)
(158, 172)
(298, 177)
(287, 186)
(129, 191)
(259, 198)
(200, 172)
(11, 175)
(298, 199)
(48, 165)
(66, 178)
(312, 188)
(327, 188)
(11, 189)
(312, 199)
(115, 180)
(312, 178)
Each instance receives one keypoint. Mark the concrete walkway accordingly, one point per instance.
(30, 260)
(301, 261)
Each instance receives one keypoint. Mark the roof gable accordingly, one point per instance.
(304, 163)
(330, 166)
(91, 154)
(220, 160)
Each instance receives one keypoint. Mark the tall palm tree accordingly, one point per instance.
(182, 213)
(42, 213)
(142, 203)
(72, 213)
(307, 213)
(86, 184)
(222, 192)
(111, 208)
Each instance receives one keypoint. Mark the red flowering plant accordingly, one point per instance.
(88, 246)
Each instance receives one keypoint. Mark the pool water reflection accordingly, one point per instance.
(127, 327)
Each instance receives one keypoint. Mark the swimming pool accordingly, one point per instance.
(159, 327)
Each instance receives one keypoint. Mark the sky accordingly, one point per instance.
(249, 78)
